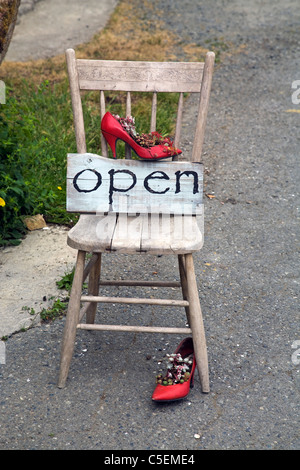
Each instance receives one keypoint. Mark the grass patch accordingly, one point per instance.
(36, 123)
(57, 310)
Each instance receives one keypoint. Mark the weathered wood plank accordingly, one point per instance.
(140, 76)
(93, 233)
(127, 235)
(76, 101)
(178, 124)
(134, 300)
(98, 185)
(139, 329)
(141, 233)
(129, 282)
(203, 106)
(165, 233)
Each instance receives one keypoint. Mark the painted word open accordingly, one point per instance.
(96, 184)
(132, 180)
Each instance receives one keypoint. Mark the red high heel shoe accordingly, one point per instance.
(112, 130)
(165, 392)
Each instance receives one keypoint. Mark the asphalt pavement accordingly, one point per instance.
(248, 274)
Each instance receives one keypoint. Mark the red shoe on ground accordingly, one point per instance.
(177, 391)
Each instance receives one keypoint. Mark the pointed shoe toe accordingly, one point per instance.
(165, 393)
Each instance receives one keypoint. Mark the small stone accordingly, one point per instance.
(35, 222)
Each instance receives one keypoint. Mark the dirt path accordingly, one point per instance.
(54, 25)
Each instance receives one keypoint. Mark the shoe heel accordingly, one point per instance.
(111, 140)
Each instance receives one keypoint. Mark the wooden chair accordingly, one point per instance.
(102, 224)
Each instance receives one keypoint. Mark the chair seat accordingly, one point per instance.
(145, 233)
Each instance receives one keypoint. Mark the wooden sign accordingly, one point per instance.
(98, 185)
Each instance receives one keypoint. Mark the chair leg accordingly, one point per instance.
(196, 324)
(183, 283)
(93, 289)
(71, 320)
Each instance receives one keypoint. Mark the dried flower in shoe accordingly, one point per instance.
(144, 140)
(179, 370)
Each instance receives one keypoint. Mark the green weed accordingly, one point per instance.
(35, 136)
(57, 310)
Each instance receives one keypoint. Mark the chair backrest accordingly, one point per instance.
(155, 77)
(97, 184)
